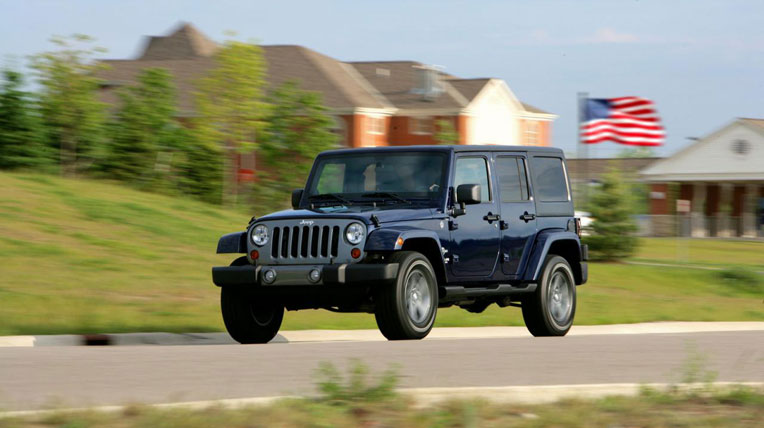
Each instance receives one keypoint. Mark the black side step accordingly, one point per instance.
(457, 292)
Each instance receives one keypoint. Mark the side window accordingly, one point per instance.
(549, 182)
(513, 184)
(473, 171)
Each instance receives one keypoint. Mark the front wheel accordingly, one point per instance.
(552, 307)
(249, 320)
(406, 308)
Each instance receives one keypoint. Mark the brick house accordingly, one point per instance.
(374, 103)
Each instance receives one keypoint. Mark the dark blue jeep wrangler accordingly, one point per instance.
(403, 231)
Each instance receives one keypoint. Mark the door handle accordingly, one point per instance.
(527, 217)
(491, 217)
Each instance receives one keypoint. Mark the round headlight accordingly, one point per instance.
(355, 233)
(260, 235)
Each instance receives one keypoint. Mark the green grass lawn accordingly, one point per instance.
(79, 256)
(708, 252)
(738, 407)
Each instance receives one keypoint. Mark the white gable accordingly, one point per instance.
(735, 152)
(493, 113)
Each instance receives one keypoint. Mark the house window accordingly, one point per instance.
(421, 125)
(376, 125)
(532, 133)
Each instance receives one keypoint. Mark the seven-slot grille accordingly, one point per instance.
(305, 242)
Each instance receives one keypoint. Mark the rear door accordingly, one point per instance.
(518, 212)
(475, 241)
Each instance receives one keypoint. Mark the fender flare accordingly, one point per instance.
(387, 239)
(235, 242)
(395, 238)
(541, 246)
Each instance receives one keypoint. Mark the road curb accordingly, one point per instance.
(425, 397)
(300, 336)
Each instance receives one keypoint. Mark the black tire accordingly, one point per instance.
(545, 312)
(249, 320)
(415, 288)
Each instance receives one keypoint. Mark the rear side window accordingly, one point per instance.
(473, 171)
(513, 184)
(549, 183)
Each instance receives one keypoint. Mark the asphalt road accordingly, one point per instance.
(32, 378)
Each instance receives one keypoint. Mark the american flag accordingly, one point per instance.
(625, 120)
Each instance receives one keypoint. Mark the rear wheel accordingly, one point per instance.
(249, 319)
(406, 308)
(552, 307)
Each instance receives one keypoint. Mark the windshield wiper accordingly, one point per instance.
(389, 195)
(325, 196)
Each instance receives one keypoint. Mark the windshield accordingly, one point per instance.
(391, 177)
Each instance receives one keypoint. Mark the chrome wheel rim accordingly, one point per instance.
(559, 297)
(418, 298)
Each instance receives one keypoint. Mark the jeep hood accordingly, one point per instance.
(361, 212)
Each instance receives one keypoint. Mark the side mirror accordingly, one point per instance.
(296, 198)
(468, 194)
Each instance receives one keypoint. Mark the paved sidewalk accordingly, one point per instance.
(297, 336)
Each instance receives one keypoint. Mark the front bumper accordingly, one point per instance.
(289, 275)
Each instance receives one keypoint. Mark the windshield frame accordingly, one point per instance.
(438, 202)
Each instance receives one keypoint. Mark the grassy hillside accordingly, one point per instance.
(85, 256)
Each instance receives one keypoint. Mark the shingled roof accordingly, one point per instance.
(339, 84)
(395, 80)
(187, 54)
(469, 88)
(186, 42)
(758, 123)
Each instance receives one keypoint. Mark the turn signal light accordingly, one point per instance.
(355, 253)
(578, 227)
(254, 255)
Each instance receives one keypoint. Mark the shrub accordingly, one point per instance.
(743, 279)
(356, 388)
(613, 227)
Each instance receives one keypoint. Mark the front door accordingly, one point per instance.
(475, 239)
(518, 212)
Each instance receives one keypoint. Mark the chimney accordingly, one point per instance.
(429, 81)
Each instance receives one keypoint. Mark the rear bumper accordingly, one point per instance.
(291, 275)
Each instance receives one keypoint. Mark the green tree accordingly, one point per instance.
(73, 116)
(446, 133)
(613, 228)
(637, 152)
(20, 138)
(142, 134)
(297, 129)
(199, 166)
(230, 106)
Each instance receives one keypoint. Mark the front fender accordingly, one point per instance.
(387, 239)
(544, 241)
(233, 243)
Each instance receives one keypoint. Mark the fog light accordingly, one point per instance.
(254, 255)
(355, 253)
(269, 276)
(314, 275)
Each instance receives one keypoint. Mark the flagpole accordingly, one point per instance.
(583, 148)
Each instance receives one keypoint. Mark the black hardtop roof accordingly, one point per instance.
(454, 148)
